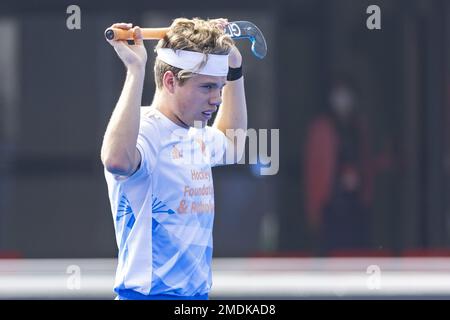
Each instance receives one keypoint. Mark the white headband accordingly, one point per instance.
(217, 64)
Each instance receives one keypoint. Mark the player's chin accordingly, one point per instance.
(199, 122)
(203, 117)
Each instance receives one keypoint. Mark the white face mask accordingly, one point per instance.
(342, 101)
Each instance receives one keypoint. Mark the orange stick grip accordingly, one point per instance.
(147, 33)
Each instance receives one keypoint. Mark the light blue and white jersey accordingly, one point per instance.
(163, 213)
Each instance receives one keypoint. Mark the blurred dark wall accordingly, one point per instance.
(53, 197)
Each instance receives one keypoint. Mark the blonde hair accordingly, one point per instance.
(193, 35)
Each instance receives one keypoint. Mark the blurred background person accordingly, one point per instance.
(338, 171)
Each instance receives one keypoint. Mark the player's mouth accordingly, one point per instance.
(207, 114)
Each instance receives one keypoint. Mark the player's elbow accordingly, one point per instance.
(117, 166)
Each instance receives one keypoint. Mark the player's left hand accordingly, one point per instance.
(234, 57)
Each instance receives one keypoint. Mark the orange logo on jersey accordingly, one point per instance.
(176, 153)
(202, 145)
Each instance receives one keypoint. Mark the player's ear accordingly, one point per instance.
(169, 80)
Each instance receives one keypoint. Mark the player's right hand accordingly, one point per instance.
(133, 56)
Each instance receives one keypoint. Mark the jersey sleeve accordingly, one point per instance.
(148, 145)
